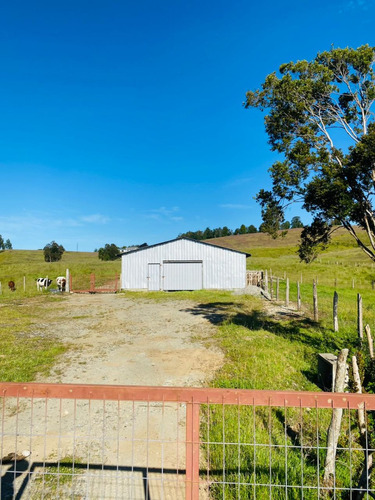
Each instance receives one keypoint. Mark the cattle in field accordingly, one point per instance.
(42, 283)
(12, 286)
(61, 283)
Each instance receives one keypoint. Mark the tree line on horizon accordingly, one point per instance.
(5, 245)
(220, 232)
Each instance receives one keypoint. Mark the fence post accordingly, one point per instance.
(287, 293)
(369, 340)
(353, 283)
(335, 309)
(67, 278)
(277, 288)
(335, 425)
(266, 281)
(359, 317)
(1, 290)
(271, 285)
(192, 451)
(315, 301)
(298, 296)
(92, 282)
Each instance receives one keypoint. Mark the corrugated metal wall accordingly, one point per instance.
(221, 268)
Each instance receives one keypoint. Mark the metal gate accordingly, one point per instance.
(143, 443)
(94, 284)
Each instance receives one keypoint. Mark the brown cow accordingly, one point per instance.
(12, 286)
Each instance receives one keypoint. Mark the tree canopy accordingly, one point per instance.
(109, 252)
(320, 119)
(53, 252)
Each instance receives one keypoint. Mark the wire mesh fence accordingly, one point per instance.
(81, 441)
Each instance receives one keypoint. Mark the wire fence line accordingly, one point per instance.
(89, 441)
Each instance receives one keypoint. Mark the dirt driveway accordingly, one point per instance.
(132, 342)
(95, 449)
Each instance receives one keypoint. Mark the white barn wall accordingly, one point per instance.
(222, 268)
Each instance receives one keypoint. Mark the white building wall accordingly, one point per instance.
(222, 269)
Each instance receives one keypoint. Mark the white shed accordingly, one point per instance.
(183, 264)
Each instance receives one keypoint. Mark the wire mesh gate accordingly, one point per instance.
(93, 284)
(84, 441)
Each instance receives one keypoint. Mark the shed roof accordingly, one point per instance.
(183, 238)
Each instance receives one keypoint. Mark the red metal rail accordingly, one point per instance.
(303, 399)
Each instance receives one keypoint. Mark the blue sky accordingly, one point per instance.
(122, 121)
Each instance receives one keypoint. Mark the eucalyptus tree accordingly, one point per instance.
(319, 117)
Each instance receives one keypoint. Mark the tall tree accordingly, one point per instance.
(108, 252)
(319, 117)
(53, 252)
(296, 222)
(8, 245)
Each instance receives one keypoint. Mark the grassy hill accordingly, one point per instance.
(342, 262)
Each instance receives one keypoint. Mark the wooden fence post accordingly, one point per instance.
(353, 283)
(370, 341)
(1, 290)
(315, 301)
(271, 285)
(335, 315)
(67, 278)
(287, 293)
(359, 317)
(335, 425)
(277, 288)
(298, 296)
(24, 283)
(266, 281)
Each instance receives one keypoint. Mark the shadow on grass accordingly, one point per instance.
(290, 326)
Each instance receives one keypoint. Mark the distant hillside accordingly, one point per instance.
(343, 260)
(248, 242)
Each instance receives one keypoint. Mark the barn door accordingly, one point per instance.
(183, 275)
(153, 277)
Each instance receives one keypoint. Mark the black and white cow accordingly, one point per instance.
(61, 283)
(42, 283)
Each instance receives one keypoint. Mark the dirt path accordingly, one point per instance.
(132, 342)
(113, 340)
